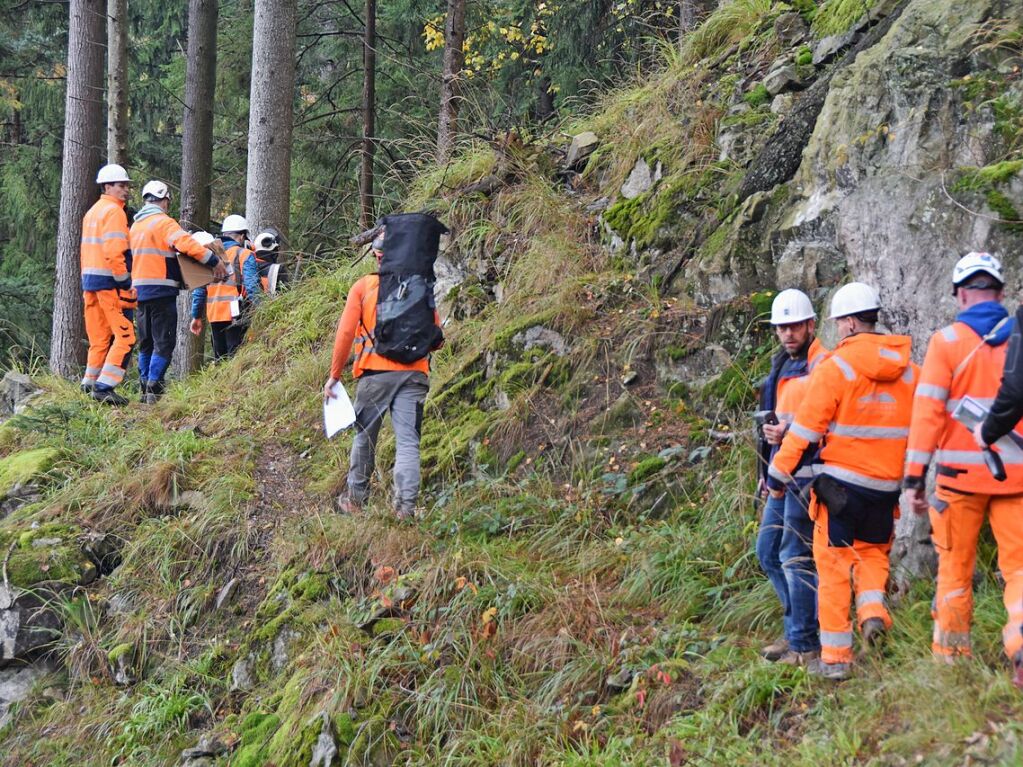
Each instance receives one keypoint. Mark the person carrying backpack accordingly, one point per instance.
(391, 319)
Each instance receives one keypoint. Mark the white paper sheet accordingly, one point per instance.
(236, 308)
(338, 412)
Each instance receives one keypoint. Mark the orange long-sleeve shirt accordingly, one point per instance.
(358, 320)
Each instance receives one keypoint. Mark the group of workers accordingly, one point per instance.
(845, 433)
(131, 278)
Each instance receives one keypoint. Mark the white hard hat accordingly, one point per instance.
(111, 174)
(156, 189)
(854, 298)
(791, 306)
(974, 263)
(266, 242)
(203, 238)
(235, 223)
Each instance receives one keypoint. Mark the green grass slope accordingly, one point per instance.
(581, 588)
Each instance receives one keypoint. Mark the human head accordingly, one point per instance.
(976, 278)
(855, 308)
(267, 244)
(235, 227)
(113, 181)
(156, 193)
(794, 320)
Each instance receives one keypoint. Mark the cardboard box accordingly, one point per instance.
(194, 274)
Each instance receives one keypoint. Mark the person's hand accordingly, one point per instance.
(916, 500)
(195, 326)
(220, 270)
(977, 435)
(773, 433)
(328, 389)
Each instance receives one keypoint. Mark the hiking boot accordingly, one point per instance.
(836, 672)
(152, 393)
(874, 633)
(109, 397)
(775, 650)
(405, 513)
(347, 506)
(87, 387)
(1017, 670)
(796, 658)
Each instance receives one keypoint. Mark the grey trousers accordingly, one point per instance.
(403, 393)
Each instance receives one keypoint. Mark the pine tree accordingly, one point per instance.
(83, 142)
(117, 81)
(271, 114)
(451, 83)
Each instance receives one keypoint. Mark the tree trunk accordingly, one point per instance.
(271, 115)
(196, 156)
(83, 147)
(117, 81)
(451, 83)
(544, 100)
(369, 113)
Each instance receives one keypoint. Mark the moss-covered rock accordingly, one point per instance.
(26, 466)
(49, 553)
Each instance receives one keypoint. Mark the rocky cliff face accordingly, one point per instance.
(910, 164)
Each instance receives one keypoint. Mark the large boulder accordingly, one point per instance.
(27, 625)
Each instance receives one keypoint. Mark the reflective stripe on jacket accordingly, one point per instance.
(156, 239)
(356, 326)
(791, 391)
(958, 364)
(106, 259)
(861, 399)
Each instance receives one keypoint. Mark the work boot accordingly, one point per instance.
(874, 633)
(153, 392)
(87, 387)
(405, 513)
(347, 506)
(836, 672)
(796, 658)
(143, 391)
(109, 397)
(775, 650)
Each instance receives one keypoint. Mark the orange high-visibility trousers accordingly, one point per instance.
(862, 567)
(955, 531)
(111, 338)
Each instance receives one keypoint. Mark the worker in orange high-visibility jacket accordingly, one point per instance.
(384, 385)
(222, 300)
(106, 287)
(156, 240)
(858, 403)
(965, 359)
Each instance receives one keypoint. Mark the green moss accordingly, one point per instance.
(804, 56)
(758, 96)
(1005, 210)
(388, 627)
(311, 588)
(806, 8)
(515, 461)
(22, 467)
(646, 468)
(48, 553)
(676, 353)
(836, 17)
(643, 218)
(985, 181)
(125, 648)
(761, 302)
(257, 728)
(503, 340)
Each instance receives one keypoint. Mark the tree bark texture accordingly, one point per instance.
(83, 149)
(451, 82)
(196, 156)
(271, 115)
(369, 114)
(117, 81)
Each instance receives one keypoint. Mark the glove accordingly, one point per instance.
(128, 297)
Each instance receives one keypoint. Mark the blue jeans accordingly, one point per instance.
(784, 548)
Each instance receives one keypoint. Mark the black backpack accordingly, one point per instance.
(405, 330)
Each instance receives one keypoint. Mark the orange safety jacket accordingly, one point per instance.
(106, 259)
(858, 401)
(220, 295)
(156, 239)
(959, 363)
(360, 317)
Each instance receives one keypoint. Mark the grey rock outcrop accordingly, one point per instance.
(641, 180)
(26, 624)
(15, 390)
